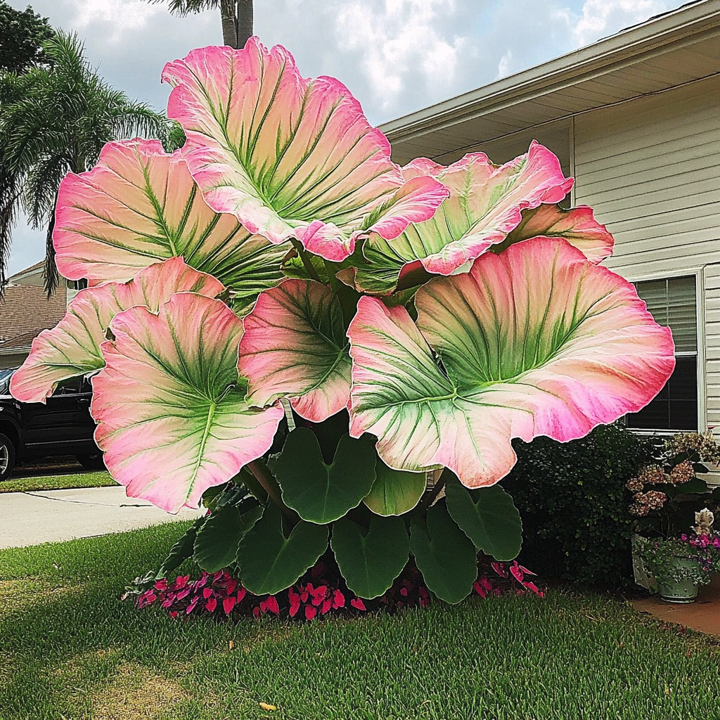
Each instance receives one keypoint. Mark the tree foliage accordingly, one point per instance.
(22, 34)
(57, 119)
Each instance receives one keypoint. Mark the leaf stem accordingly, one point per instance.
(332, 270)
(427, 501)
(347, 296)
(416, 276)
(253, 486)
(306, 261)
(265, 478)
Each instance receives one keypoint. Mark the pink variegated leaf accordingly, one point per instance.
(295, 346)
(171, 410)
(485, 204)
(534, 341)
(139, 205)
(577, 225)
(72, 347)
(287, 156)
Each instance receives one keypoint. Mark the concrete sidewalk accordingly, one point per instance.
(31, 518)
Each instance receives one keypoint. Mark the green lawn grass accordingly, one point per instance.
(58, 482)
(70, 649)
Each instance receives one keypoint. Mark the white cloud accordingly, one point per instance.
(604, 17)
(121, 16)
(398, 38)
(505, 64)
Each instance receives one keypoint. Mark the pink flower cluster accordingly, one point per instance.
(652, 475)
(702, 541)
(645, 502)
(707, 549)
(703, 444)
(682, 472)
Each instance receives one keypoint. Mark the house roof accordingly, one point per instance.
(25, 311)
(19, 343)
(672, 49)
(32, 270)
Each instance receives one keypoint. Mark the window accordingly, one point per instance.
(5, 376)
(672, 303)
(71, 387)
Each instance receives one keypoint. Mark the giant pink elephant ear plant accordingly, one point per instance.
(291, 329)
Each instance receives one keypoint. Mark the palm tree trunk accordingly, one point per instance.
(245, 21)
(51, 277)
(229, 23)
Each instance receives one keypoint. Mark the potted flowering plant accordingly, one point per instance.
(667, 494)
(295, 331)
(681, 565)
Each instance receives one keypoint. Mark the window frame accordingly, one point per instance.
(696, 272)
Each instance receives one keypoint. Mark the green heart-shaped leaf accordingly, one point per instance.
(181, 550)
(394, 492)
(322, 493)
(694, 486)
(229, 494)
(217, 540)
(370, 559)
(444, 555)
(269, 561)
(488, 517)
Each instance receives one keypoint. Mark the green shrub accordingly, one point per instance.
(574, 504)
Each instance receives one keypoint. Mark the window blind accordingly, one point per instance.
(672, 303)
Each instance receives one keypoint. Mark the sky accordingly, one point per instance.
(396, 56)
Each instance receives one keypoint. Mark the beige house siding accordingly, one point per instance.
(651, 170)
(712, 344)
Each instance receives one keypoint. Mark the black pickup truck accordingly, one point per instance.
(62, 426)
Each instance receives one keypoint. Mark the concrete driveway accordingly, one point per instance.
(32, 518)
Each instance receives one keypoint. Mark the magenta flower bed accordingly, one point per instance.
(320, 593)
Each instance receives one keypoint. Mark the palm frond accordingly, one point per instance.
(186, 7)
(57, 119)
(9, 205)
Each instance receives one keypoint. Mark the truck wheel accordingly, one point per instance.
(93, 461)
(7, 457)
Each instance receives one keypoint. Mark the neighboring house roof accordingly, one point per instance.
(32, 275)
(35, 269)
(25, 311)
(19, 343)
(677, 48)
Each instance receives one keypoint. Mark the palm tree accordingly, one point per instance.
(55, 120)
(236, 16)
